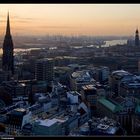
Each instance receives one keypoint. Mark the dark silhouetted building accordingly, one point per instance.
(137, 38)
(16, 119)
(8, 58)
(44, 70)
(5, 98)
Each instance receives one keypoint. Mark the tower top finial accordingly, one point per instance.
(8, 25)
(137, 31)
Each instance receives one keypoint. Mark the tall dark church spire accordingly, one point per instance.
(137, 38)
(8, 25)
(8, 58)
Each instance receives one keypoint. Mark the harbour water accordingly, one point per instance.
(17, 50)
(107, 44)
(114, 42)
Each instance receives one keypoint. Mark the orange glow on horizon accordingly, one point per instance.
(71, 19)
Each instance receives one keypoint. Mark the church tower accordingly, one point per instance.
(137, 38)
(8, 57)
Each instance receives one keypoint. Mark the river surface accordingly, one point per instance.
(17, 50)
(108, 43)
(114, 42)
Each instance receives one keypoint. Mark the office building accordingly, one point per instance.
(47, 127)
(44, 70)
(4, 76)
(130, 88)
(16, 119)
(139, 66)
(73, 97)
(79, 79)
(5, 98)
(115, 79)
(102, 74)
(136, 121)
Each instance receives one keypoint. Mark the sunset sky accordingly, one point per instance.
(71, 19)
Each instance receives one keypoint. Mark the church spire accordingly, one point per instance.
(8, 50)
(137, 38)
(137, 30)
(8, 25)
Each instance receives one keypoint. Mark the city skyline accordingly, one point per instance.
(69, 86)
(71, 19)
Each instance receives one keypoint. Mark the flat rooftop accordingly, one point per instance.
(44, 59)
(89, 87)
(46, 122)
(74, 93)
(20, 109)
(120, 73)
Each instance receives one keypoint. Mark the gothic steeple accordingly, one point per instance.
(8, 25)
(137, 38)
(8, 58)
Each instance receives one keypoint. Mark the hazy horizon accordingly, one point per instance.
(71, 19)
